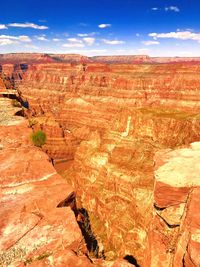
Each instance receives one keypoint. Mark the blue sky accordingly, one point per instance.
(101, 27)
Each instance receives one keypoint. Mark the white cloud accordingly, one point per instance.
(181, 35)
(21, 38)
(82, 34)
(74, 40)
(7, 42)
(154, 8)
(150, 42)
(56, 40)
(3, 27)
(28, 25)
(113, 42)
(103, 26)
(86, 34)
(71, 45)
(41, 38)
(89, 40)
(172, 8)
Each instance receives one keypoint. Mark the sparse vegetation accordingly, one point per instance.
(16, 103)
(32, 122)
(38, 138)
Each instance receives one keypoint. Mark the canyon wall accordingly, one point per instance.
(38, 208)
(174, 235)
(111, 120)
(38, 58)
(74, 102)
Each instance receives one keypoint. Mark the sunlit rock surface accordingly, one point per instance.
(174, 235)
(34, 231)
(109, 121)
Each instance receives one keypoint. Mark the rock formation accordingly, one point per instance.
(174, 235)
(38, 225)
(38, 58)
(109, 121)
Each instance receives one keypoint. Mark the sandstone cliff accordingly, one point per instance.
(35, 58)
(38, 224)
(174, 235)
(111, 120)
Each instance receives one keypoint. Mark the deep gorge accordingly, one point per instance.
(114, 126)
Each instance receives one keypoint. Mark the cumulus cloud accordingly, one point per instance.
(89, 40)
(181, 35)
(82, 34)
(172, 8)
(28, 25)
(7, 42)
(72, 45)
(103, 26)
(74, 40)
(41, 38)
(154, 8)
(86, 34)
(151, 42)
(3, 27)
(113, 42)
(56, 39)
(21, 38)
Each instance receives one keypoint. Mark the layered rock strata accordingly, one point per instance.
(73, 102)
(111, 119)
(38, 226)
(174, 235)
(35, 58)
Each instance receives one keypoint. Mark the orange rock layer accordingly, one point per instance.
(34, 231)
(112, 119)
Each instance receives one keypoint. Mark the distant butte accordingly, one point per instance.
(30, 58)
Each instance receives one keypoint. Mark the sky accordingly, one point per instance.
(101, 27)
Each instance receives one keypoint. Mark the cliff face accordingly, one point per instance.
(31, 224)
(174, 235)
(12, 74)
(2, 86)
(38, 225)
(112, 119)
(39, 58)
(75, 102)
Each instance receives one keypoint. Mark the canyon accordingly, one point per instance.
(123, 133)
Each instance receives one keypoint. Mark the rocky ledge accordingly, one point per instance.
(174, 238)
(37, 207)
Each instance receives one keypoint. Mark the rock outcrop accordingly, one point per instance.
(174, 236)
(38, 208)
(111, 120)
(31, 224)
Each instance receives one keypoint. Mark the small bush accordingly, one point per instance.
(32, 122)
(38, 138)
(16, 104)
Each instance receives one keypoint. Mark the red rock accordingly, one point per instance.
(30, 192)
(174, 235)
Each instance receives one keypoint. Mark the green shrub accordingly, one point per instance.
(38, 138)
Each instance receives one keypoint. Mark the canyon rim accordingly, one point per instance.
(100, 134)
